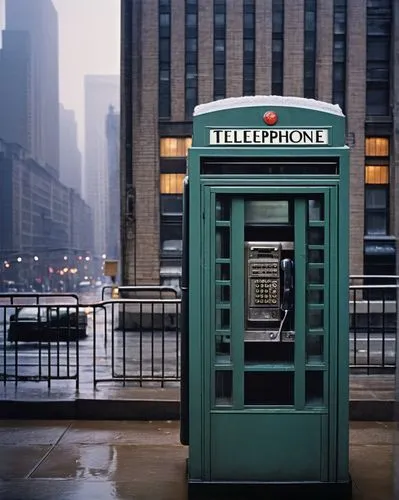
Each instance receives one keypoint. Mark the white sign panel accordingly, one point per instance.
(269, 137)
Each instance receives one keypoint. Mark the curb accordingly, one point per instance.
(105, 409)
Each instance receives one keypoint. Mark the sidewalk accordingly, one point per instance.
(76, 460)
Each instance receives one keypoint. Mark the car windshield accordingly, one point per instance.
(33, 313)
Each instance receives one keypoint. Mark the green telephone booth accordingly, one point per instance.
(265, 299)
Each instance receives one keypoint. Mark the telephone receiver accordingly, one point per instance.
(287, 266)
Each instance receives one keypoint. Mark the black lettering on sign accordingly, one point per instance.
(307, 136)
(218, 133)
(319, 137)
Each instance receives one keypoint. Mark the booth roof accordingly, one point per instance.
(267, 101)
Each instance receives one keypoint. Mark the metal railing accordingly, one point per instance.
(137, 340)
(39, 338)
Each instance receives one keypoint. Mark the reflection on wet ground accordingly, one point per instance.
(106, 460)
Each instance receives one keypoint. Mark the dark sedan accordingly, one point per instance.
(48, 324)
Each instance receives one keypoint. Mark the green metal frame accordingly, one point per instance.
(203, 190)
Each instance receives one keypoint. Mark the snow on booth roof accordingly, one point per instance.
(267, 101)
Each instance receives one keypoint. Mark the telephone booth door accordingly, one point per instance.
(268, 275)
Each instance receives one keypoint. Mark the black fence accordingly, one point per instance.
(47, 337)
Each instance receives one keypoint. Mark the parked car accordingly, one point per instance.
(47, 324)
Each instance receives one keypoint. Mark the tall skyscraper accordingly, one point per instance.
(101, 91)
(16, 100)
(70, 156)
(30, 45)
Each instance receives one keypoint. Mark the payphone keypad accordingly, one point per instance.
(264, 282)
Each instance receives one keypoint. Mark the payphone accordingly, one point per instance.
(269, 291)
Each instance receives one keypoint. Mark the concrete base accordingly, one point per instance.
(149, 409)
(271, 491)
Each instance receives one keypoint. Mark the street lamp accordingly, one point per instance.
(35, 258)
(19, 259)
(104, 256)
(65, 257)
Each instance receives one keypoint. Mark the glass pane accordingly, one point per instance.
(223, 208)
(269, 352)
(316, 236)
(222, 293)
(222, 319)
(222, 348)
(223, 387)
(316, 318)
(223, 272)
(222, 243)
(316, 210)
(315, 296)
(316, 256)
(314, 387)
(269, 388)
(314, 348)
(269, 212)
(315, 275)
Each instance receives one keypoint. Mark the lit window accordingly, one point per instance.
(377, 174)
(377, 146)
(171, 183)
(174, 147)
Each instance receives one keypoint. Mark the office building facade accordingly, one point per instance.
(31, 88)
(44, 225)
(180, 53)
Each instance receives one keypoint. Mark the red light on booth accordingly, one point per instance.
(270, 118)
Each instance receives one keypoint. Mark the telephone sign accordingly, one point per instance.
(269, 137)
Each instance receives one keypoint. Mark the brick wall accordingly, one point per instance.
(234, 48)
(293, 47)
(205, 47)
(263, 50)
(178, 59)
(355, 110)
(324, 49)
(146, 148)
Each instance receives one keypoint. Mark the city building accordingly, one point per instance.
(177, 54)
(46, 229)
(70, 156)
(101, 91)
(113, 216)
(29, 74)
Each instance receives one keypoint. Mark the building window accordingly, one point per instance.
(379, 17)
(339, 53)
(249, 48)
(191, 74)
(277, 47)
(164, 58)
(309, 68)
(376, 217)
(171, 183)
(377, 146)
(174, 147)
(219, 50)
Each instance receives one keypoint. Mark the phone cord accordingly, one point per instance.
(282, 323)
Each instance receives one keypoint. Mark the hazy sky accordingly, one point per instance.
(89, 32)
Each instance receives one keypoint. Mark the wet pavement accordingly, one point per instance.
(107, 460)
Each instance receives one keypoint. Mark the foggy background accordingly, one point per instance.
(89, 38)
